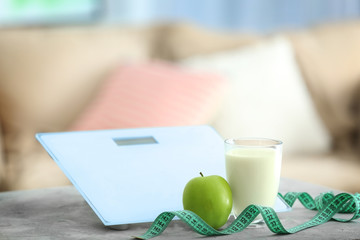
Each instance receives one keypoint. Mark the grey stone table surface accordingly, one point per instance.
(61, 213)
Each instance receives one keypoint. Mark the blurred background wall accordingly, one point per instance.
(239, 15)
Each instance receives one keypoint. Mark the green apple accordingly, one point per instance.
(210, 198)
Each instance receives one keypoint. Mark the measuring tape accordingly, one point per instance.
(326, 203)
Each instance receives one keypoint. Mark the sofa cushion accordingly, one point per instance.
(267, 97)
(47, 76)
(153, 94)
(178, 41)
(334, 170)
(329, 57)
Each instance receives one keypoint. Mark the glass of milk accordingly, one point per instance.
(253, 168)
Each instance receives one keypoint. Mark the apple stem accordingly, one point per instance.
(201, 174)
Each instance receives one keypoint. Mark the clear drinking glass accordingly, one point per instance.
(253, 168)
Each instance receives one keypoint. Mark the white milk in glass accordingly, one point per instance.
(253, 175)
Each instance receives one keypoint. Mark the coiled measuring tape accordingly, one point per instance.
(326, 203)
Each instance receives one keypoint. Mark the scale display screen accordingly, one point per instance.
(134, 141)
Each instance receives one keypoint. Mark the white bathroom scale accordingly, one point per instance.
(132, 175)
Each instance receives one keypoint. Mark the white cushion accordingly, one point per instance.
(267, 96)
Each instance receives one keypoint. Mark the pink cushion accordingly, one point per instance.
(153, 94)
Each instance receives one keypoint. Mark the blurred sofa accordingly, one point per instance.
(299, 86)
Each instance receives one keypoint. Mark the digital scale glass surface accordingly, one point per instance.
(132, 175)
